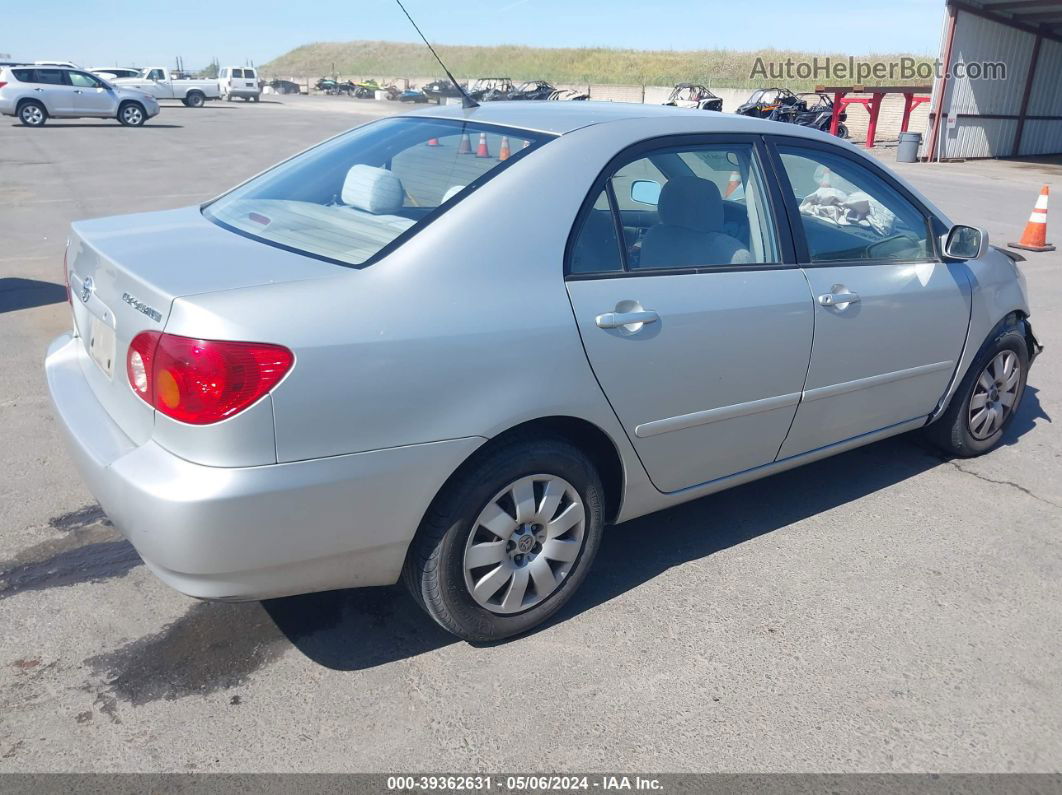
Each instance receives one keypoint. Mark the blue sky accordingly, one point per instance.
(140, 33)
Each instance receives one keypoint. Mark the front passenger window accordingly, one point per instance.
(850, 213)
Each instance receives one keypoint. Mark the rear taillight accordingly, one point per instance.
(202, 381)
(3, 83)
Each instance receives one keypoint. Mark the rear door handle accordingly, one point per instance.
(623, 319)
(835, 299)
(39, 89)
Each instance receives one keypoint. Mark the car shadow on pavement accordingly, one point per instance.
(17, 293)
(105, 124)
(362, 628)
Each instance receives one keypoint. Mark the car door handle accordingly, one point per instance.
(833, 299)
(39, 89)
(77, 90)
(620, 319)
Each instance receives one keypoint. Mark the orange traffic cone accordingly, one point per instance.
(503, 152)
(465, 148)
(433, 142)
(733, 184)
(1034, 238)
(481, 150)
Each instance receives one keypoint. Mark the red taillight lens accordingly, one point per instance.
(3, 83)
(203, 381)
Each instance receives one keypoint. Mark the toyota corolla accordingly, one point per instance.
(452, 347)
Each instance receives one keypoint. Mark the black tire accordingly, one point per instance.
(842, 131)
(434, 569)
(132, 114)
(257, 98)
(952, 432)
(194, 99)
(32, 113)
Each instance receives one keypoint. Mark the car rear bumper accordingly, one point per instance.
(251, 532)
(244, 92)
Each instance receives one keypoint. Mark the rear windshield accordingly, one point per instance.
(358, 195)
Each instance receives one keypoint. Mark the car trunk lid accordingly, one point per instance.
(125, 272)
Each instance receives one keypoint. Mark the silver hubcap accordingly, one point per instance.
(32, 114)
(524, 543)
(994, 394)
(132, 115)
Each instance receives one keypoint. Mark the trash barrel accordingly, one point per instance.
(907, 151)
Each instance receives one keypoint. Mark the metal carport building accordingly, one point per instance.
(1019, 115)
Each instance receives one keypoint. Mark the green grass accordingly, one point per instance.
(721, 68)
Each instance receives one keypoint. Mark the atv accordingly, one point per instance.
(532, 89)
(439, 91)
(765, 101)
(693, 95)
(491, 89)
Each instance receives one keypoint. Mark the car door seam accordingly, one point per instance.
(807, 372)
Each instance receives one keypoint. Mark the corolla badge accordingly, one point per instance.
(140, 306)
(86, 289)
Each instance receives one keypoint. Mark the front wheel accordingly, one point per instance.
(509, 540)
(987, 399)
(132, 114)
(32, 114)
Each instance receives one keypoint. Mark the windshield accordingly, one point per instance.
(362, 192)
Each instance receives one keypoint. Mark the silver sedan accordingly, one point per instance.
(451, 347)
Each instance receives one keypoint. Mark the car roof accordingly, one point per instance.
(567, 116)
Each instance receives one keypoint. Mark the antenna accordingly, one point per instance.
(466, 100)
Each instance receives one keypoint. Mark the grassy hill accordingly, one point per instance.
(722, 68)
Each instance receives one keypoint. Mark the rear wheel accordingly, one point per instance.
(257, 97)
(987, 399)
(132, 114)
(32, 114)
(509, 540)
(195, 99)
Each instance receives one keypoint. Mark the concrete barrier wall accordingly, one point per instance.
(889, 118)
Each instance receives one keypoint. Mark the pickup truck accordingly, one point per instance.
(161, 84)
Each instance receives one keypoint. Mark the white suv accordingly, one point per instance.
(239, 81)
(36, 93)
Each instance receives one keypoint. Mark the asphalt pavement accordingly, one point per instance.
(885, 610)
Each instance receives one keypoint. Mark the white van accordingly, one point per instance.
(239, 81)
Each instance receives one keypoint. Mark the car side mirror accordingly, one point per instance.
(645, 191)
(964, 242)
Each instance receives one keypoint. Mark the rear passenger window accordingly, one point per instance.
(850, 213)
(694, 206)
(248, 73)
(52, 77)
(596, 247)
(237, 73)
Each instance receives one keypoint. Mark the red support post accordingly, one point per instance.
(873, 106)
(836, 120)
(907, 106)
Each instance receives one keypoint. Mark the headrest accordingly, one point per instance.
(453, 191)
(691, 202)
(375, 190)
